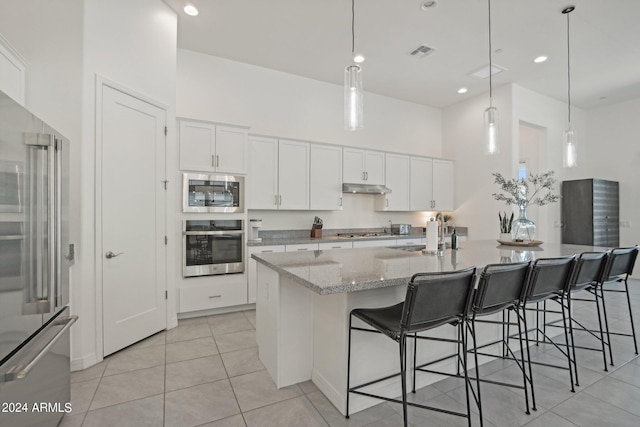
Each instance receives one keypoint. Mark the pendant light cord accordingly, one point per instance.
(568, 71)
(353, 26)
(490, 61)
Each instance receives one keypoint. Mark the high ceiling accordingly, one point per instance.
(312, 38)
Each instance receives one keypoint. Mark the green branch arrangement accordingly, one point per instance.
(523, 192)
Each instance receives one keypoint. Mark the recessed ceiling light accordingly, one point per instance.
(540, 59)
(426, 5)
(462, 90)
(190, 10)
(358, 58)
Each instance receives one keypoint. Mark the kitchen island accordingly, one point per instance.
(304, 300)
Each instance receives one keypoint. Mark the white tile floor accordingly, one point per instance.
(206, 372)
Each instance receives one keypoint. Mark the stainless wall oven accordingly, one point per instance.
(213, 247)
(212, 193)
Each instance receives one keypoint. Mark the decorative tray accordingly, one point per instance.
(514, 243)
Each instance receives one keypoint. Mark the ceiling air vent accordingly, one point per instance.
(422, 51)
(483, 72)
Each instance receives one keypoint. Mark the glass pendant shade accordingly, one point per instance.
(569, 144)
(353, 97)
(492, 130)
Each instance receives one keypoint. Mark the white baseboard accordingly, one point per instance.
(84, 362)
(214, 311)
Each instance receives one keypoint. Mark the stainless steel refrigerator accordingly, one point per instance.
(35, 256)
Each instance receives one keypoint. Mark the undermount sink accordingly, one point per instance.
(409, 248)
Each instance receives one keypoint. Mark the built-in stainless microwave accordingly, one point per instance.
(212, 193)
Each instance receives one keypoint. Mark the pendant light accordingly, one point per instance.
(353, 95)
(491, 122)
(569, 140)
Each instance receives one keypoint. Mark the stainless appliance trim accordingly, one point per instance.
(213, 269)
(21, 370)
(211, 177)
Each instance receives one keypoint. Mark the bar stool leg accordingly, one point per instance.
(606, 324)
(566, 340)
(602, 342)
(465, 367)
(475, 356)
(573, 346)
(403, 376)
(415, 350)
(524, 375)
(633, 328)
(348, 366)
(526, 339)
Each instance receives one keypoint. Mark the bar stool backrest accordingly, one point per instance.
(621, 262)
(437, 298)
(588, 271)
(549, 277)
(501, 286)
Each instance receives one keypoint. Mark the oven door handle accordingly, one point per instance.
(213, 233)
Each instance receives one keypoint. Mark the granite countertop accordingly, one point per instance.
(302, 237)
(348, 270)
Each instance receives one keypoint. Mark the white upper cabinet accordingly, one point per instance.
(262, 180)
(421, 184)
(325, 177)
(443, 185)
(363, 166)
(397, 179)
(212, 148)
(293, 175)
(278, 174)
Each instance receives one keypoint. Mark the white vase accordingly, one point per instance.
(505, 237)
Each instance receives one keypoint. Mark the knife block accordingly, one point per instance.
(316, 232)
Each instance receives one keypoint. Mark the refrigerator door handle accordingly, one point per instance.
(21, 370)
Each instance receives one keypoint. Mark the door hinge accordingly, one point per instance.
(166, 240)
(166, 294)
(166, 130)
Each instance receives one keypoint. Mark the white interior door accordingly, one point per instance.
(133, 219)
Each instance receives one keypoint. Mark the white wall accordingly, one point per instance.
(133, 44)
(66, 44)
(614, 154)
(285, 105)
(463, 140)
(550, 115)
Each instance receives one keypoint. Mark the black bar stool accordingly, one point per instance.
(587, 275)
(549, 279)
(619, 267)
(432, 300)
(502, 287)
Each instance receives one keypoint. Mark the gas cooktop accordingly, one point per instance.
(361, 235)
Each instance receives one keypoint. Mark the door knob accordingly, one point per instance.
(110, 255)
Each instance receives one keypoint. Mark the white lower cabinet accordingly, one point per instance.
(252, 267)
(212, 292)
(301, 247)
(374, 243)
(335, 245)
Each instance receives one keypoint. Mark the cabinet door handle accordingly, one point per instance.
(363, 175)
(213, 160)
(275, 199)
(215, 296)
(386, 201)
(302, 249)
(340, 201)
(366, 176)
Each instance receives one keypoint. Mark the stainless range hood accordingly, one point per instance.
(365, 189)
